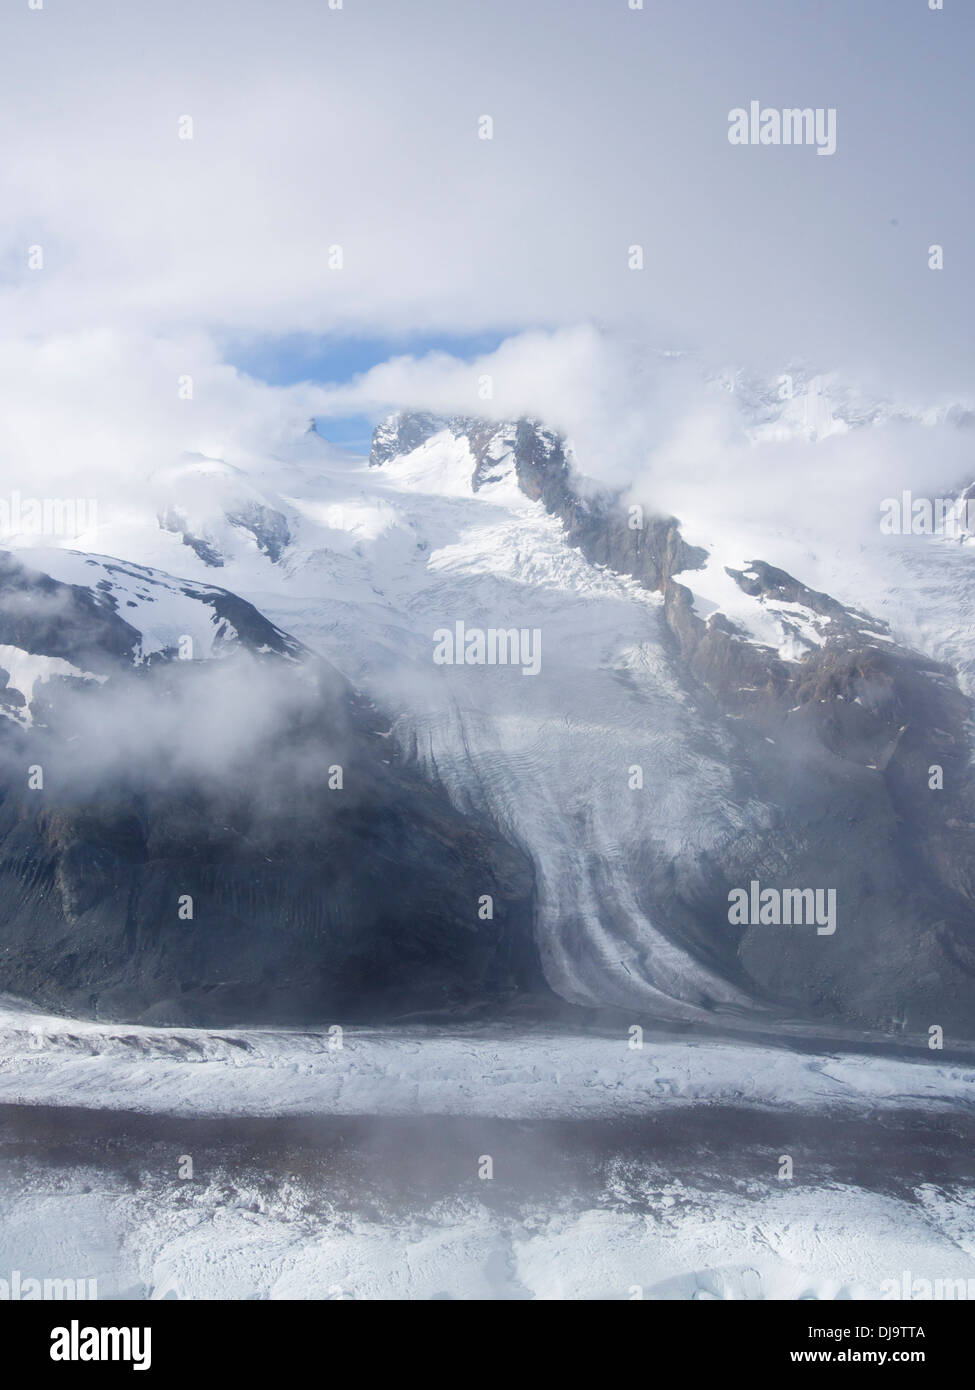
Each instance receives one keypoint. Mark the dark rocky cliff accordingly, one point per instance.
(309, 901)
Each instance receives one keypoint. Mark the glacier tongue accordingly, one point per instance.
(548, 757)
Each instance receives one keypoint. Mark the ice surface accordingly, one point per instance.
(503, 1071)
(353, 1172)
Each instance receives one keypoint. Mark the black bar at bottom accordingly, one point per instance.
(249, 1337)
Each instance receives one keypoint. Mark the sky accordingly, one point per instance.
(339, 359)
(356, 129)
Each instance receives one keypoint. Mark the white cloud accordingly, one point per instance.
(94, 414)
(315, 127)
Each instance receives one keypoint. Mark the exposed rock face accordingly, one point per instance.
(268, 527)
(173, 520)
(309, 900)
(599, 524)
(401, 433)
